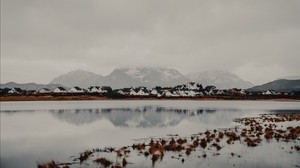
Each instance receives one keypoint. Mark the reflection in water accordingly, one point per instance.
(34, 132)
(148, 116)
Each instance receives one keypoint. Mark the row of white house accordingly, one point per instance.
(191, 89)
(187, 90)
(75, 89)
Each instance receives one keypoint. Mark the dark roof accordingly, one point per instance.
(61, 88)
(77, 88)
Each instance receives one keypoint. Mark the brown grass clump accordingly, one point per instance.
(232, 135)
(217, 146)
(203, 143)
(103, 161)
(268, 133)
(173, 146)
(156, 155)
(188, 151)
(50, 164)
(293, 133)
(221, 135)
(181, 141)
(139, 146)
(84, 155)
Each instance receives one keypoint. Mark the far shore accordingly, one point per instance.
(92, 97)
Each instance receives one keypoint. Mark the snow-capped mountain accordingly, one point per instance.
(149, 77)
(78, 78)
(220, 79)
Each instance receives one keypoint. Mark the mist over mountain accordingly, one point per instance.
(150, 77)
(220, 79)
(78, 78)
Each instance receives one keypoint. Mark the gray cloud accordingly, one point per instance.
(258, 40)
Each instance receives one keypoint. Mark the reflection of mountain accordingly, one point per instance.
(148, 116)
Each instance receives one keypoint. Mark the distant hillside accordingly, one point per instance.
(279, 85)
(220, 79)
(78, 78)
(29, 86)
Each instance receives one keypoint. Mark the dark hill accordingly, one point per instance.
(279, 85)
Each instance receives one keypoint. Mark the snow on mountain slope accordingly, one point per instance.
(78, 78)
(220, 79)
(149, 77)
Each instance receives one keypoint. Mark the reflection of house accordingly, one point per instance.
(59, 90)
(136, 117)
(44, 91)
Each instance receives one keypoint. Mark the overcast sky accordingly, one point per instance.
(258, 40)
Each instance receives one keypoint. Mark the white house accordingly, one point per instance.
(192, 86)
(167, 93)
(132, 92)
(14, 91)
(76, 89)
(268, 92)
(44, 91)
(121, 92)
(154, 92)
(142, 92)
(95, 89)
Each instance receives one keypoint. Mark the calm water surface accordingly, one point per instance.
(33, 132)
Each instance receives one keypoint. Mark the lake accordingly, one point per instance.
(34, 132)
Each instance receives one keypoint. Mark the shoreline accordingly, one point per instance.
(103, 98)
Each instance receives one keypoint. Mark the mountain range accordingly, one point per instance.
(30, 86)
(220, 79)
(150, 77)
(279, 85)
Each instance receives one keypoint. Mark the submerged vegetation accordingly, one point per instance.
(251, 132)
